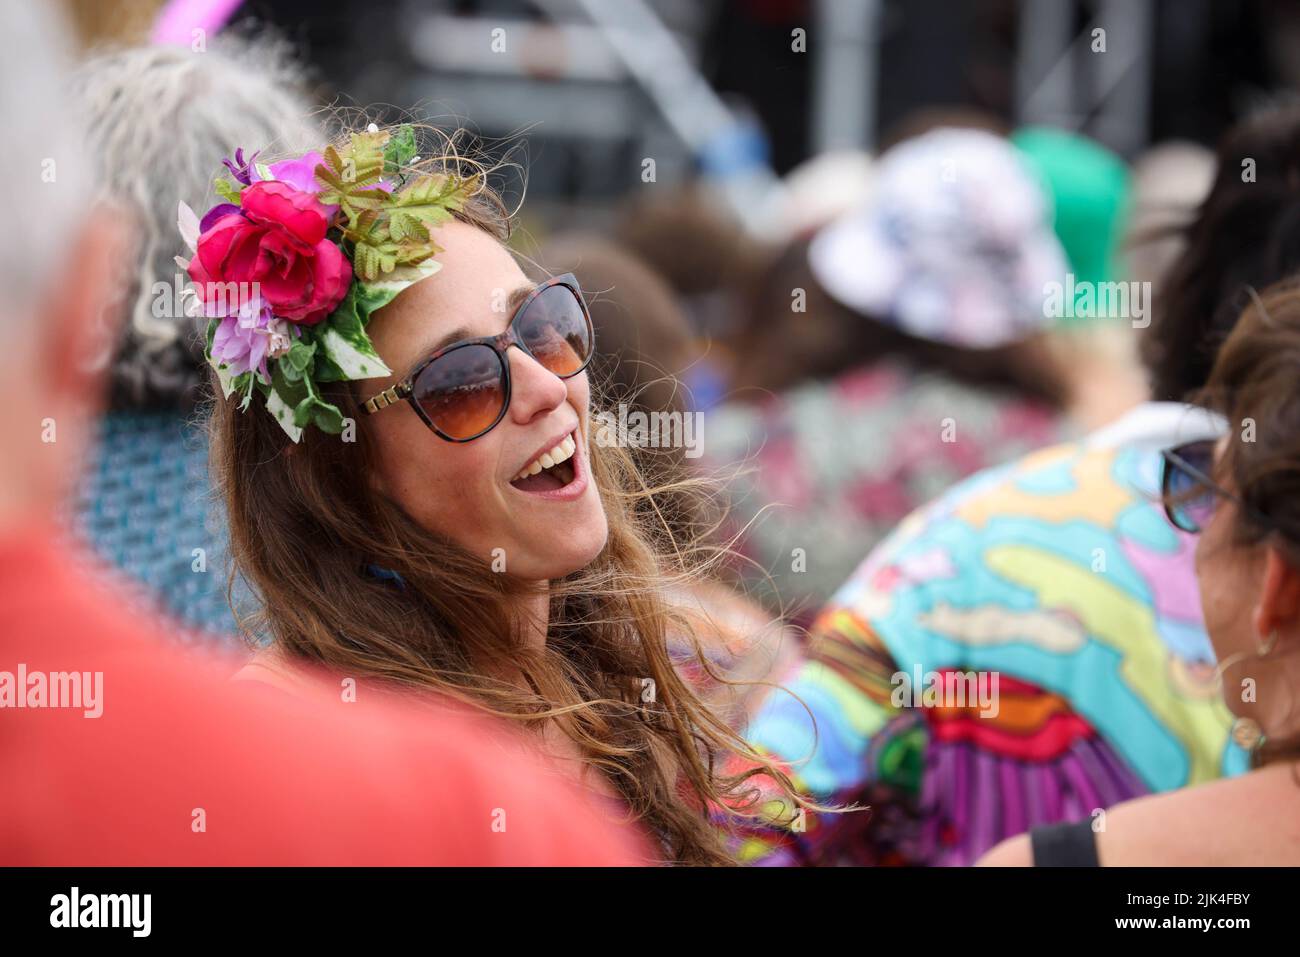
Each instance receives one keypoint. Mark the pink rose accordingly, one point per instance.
(276, 240)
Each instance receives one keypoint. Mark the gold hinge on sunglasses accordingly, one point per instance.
(389, 396)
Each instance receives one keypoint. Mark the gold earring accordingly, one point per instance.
(1247, 734)
(1266, 648)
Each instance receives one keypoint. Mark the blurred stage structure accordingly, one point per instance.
(743, 91)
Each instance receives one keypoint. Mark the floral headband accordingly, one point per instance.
(289, 268)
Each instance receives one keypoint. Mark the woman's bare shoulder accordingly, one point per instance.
(1013, 852)
(1251, 820)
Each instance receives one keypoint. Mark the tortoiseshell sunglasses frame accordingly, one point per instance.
(499, 344)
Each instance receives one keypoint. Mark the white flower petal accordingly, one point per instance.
(188, 223)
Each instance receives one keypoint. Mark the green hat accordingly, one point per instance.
(1089, 186)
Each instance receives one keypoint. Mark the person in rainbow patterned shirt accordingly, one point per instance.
(1057, 579)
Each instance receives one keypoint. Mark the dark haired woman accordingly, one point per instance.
(1240, 496)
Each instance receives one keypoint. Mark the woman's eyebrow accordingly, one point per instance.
(517, 297)
(460, 332)
(513, 302)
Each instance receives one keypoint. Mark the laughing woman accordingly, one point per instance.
(405, 447)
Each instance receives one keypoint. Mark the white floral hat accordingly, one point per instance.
(955, 244)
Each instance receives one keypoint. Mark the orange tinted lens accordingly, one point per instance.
(555, 330)
(463, 391)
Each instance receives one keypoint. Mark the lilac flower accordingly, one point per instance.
(244, 340)
(242, 171)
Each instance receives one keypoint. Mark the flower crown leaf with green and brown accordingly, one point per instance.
(292, 263)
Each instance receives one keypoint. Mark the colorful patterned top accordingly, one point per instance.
(1058, 576)
(833, 467)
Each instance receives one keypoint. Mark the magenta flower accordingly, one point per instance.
(279, 241)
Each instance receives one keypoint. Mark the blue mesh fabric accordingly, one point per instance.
(145, 504)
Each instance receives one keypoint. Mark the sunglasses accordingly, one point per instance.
(1186, 489)
(462, 391)
(1188, 492)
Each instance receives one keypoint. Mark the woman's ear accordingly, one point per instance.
(1278, 609)
(85, 313)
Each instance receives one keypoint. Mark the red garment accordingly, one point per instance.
(279, 779)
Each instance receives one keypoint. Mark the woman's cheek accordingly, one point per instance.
(455, 493)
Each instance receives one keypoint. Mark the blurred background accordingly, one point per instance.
(684, 155)
(728, 87)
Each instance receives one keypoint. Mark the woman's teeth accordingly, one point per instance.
(549, 459)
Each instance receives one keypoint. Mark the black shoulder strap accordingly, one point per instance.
(1065, 845)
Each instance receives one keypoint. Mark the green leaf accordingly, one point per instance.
(297, 403)
(366, 150)
(327, 370)
(432, 197)
(282, 400)
(370, 299)
(370, 259)
(314, 410)
(348, 179)
(249, 381)
(404, 225)
(290, 391)
(378, 293)
(226, 190)
(343, 340)
(224, 379)
(311, 409)
(400, 149)
(298, 361)
(210, 335)
(412, 213)
(363, 230)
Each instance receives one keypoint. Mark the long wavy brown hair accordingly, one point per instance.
(305, 524)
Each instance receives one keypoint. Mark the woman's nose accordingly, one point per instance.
(534, 389)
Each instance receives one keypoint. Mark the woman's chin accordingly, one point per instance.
(574, 549)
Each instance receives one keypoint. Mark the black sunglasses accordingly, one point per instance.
(462, 391)
(1188, 493)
